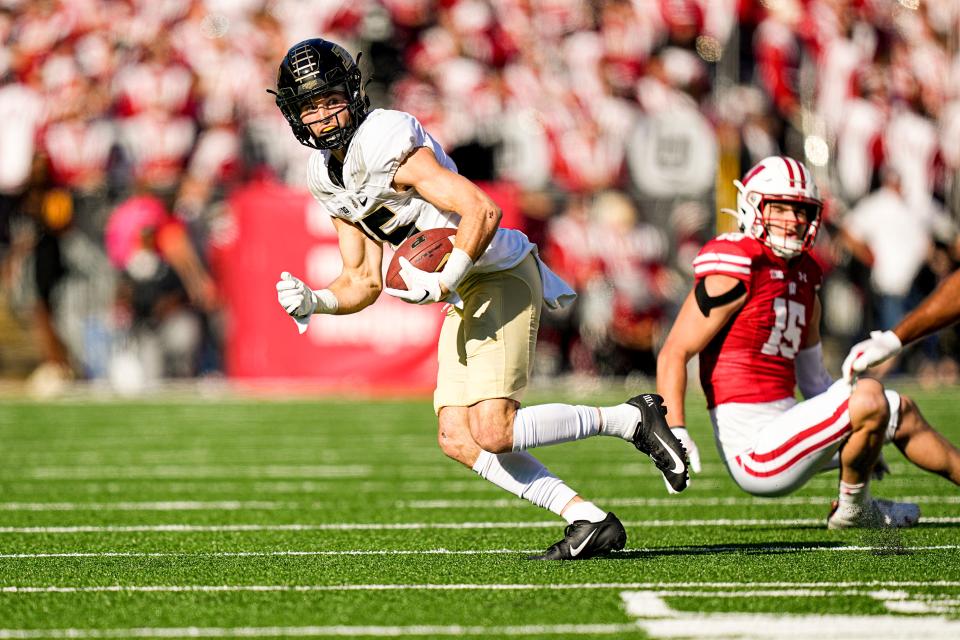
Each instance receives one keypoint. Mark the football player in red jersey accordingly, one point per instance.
(753, 317)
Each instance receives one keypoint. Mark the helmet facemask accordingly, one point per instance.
(783, 243)
(309, 71)
(340, 128)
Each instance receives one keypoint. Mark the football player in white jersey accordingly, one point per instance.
(382, 178)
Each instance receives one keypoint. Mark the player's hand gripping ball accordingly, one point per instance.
(421, 254)
(427, 250)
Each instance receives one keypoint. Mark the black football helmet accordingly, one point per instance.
(310, 69)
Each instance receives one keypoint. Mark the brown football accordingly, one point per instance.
(426, 250)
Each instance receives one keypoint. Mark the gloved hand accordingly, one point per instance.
(297, 299)
(422, 287)
(693, 454)
(880, 346)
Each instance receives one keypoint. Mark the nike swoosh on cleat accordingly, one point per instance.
(575, 551)
(363, 201)
(677, 462)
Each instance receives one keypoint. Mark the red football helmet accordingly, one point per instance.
(778, 179)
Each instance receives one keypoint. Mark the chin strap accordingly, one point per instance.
(778, 244)
(706, 302)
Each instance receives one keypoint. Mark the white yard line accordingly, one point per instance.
(167, 505)
(336, 631)
(659, 620)
(665, 502)
(254, 486)
(801, 627)
(882, 595)
(439, 472)
(345, 526)
(654, 616)
(454, 552)
(266, 505)
(120, 472)
(407, 526)
(269, 554)
(119, 588)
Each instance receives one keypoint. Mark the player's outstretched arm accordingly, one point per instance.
(360, 282)
(358, 285)
(938, 310)
(695, 326)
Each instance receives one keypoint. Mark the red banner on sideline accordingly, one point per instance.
(271, 228)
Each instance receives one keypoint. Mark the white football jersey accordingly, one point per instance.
(368, 199)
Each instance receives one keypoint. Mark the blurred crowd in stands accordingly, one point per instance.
(608, 130)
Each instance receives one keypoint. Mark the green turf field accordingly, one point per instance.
(250, 518)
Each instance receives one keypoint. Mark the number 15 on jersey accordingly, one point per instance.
(789, 318)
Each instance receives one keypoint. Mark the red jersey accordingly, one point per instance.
(752, 358)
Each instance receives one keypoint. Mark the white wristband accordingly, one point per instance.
(326, 301)
(458, 265)
(812, 378)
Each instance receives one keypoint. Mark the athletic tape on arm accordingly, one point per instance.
(706, 302)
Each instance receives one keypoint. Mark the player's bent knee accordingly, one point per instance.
(460, 451)
(868, 405)
(492, 440)
(453, 436)
(491, 425)
(866, 389)
(451, 447)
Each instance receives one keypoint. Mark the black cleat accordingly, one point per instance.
(655, 438)
(584, 539)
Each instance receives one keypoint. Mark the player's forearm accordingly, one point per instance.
(478, 224)
(354, 294)
(941, 308)
(672, 384)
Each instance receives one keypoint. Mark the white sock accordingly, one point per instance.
(545, 424)
(620, 421)
(853, 494)
(524, 476)
(583, 511)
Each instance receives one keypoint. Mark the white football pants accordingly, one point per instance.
(773, 448)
